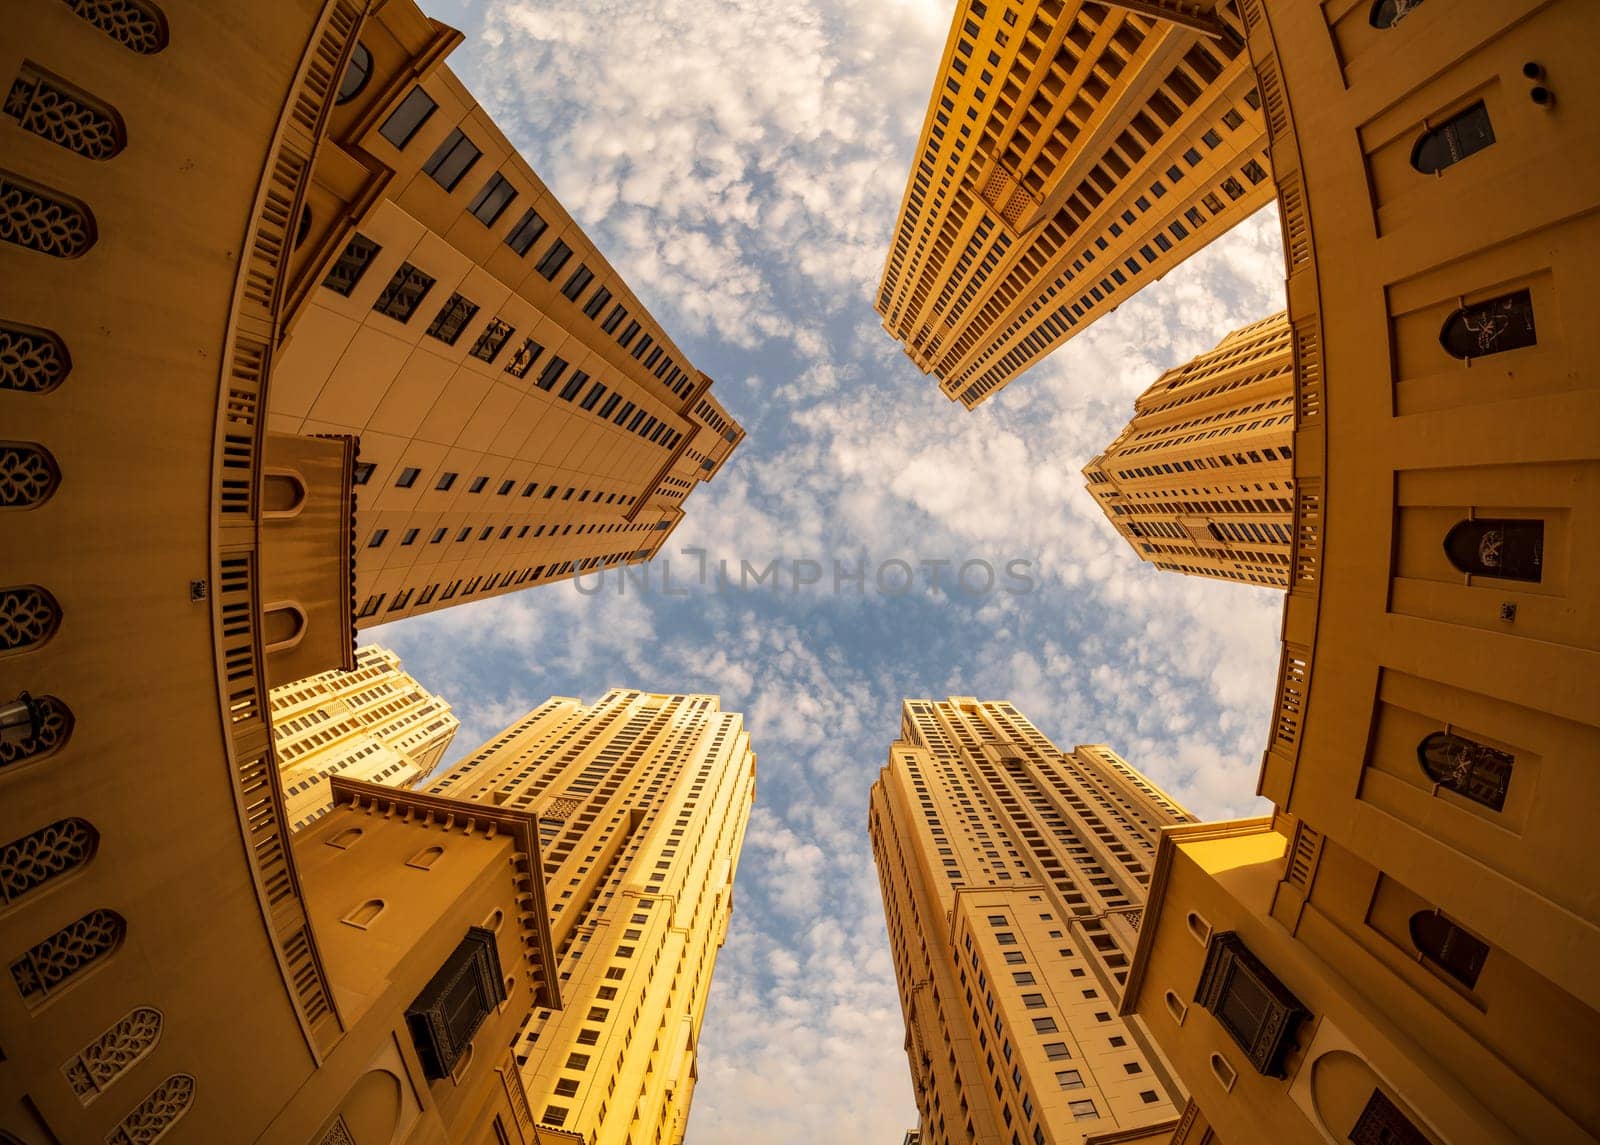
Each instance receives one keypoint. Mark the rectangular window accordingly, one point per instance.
(344, 274)
(404, 293)
(526, 232)
(638, 417)
(1033, 1001)
(446, 480)
(377, 538)
(551, 374)
(614, 319)
(574, 385)
(578, 283)
(1044, 1025)
(438, 535)
(410, 536)
(363, 473)
(644, 344)
(407, 119)
(1069, 1079)
(597, 302)
(596, 392)
(628, 335)
(554, 259)
(527, 354)
(487, 347)
(1083, 1110)
(452, 159)
(477, 484)
(1256, 1009)
(505, 487)
(452, 319)
(495, 197)
(1056, 1051)
(611, 403)
(408, 477)
(622, 415)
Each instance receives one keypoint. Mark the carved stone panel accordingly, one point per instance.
(100, 1063)
(39, 856)
(155, 1115)
(43, 220)
(48, 965)
(28, 475)
(28, 617)
(32, 360)
(137, 25)
(55, 725)
(55, 110)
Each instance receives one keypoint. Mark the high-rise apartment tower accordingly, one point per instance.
(375, 723)
(1201, 479)
(642, 802)
(522, 417)
(1014, 877)
(1073, 152)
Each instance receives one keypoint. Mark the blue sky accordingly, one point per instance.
(742, 164)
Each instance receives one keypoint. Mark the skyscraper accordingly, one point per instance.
(375, 723)
(1201, 479)
(642, 801)
(522, 417)
(1014, 877)
(1073, 152)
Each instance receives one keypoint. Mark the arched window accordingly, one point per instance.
(1492, 326)
(356, 74)
(47, 966)
(345, 839)
(1463, 134)
(425, 858)
(1447, 946)
(1509, 548)
(364, 915)
(1388, 13)
(48, 853)
(1467, 767)
(1199, 928)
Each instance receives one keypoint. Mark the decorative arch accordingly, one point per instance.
(43, 220)
(364, 915)
(1467, 767)
(1505, 547)
(65, 114)
(29, 616)
(1492, 326)
(137, 25)
(96, 1067)
(30, 862)
(154, 1117)
(28, 475)
(32, 360)
(1388, 13)
(283, 625)
(356, 74)
(1465, 133)
(1448, 947)
(54, 727)
(426, 858)
(49, 965)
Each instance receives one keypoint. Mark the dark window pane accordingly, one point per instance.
(404, 294)
(554, 259)
(344, 274)
(622, 414)
(526, 232)
(446, 480)
(597, 302)
(455, 1002)
(356, 74)
(407, 119)
(596, 392)
(611, 404)
(1453, 140)
(629, 334)
(614, 319)
(408, 477)
(1490, 327)
(1381, 1122)
(363, 473)
(452, 319)
(487, 347)
(1512, 549)
(527, 354)
(1452, 949)
(1465, 766)
(574, 385)
(578, 282)
(495, 197)
(551, 374)
(452, 159)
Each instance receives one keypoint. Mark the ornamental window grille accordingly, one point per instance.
(96, 1067)
(30, 862)
(1467, 767)
(527, 354)
(1249, 1001)
(42, 220)
(492, 340)
(1449, 947)
(1463, 134)
(1382, 1123)
(66, 115)
(153, 1117)
(1492, 326)
(29, 616)
(1388, 13)
(55, 726)
(404, 293)
(137, 25)
(32, 360)
(454, 1004)
(49, 965)
(1508, 548)
(452, 319)
(346, 273)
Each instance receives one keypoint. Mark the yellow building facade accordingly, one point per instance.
(642, 802)
(522, 417)
(1201, 481)
(375, 724)
(1072, 153)
(1014, 877)
(1403, 952)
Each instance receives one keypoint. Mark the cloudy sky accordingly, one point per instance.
(742, 164)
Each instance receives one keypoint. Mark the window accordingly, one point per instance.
(452, 319)
(1490, 327)
(455, 1002)
(1083, 1110)
(596, 392)
(1463, 134)
(573, 386)
(407, 119)
(363, 472)
(554, 259)
(1509, 548)
(1069, 1079)
(446, 480)
(1225, 1074)
(1006, 938)
(356, 74)
(566, 1087)
(526, 232)
(477, 484)
(1175, 1007)
(553, 369)
(1382, 1123)
(410, 537)
(404, 294)
(378, 537)
(495, 197)
(494, 336)
(1256, 1009)
(527, 354)
(1033, 1001)
(628, 335)
(1448, 946)
(997, 920)
(554, 1115)
(614, 319)
(1044, 1025)
(344, 274)
(452, 159)
(408, 477)
(1022, 978)
(1467, 767)
(578, 283)
(597, 302)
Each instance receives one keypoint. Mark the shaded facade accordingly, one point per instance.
(642, 801)
(1014, 877)
(1201, 480)
(1404, 951)
(1073, 152)
(522, 416)
(375, 724)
